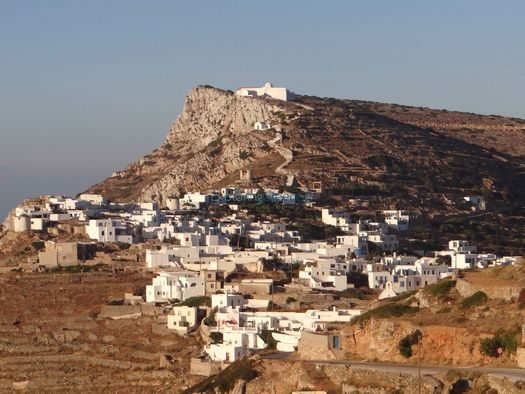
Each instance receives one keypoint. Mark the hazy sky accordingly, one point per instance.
(88, 86)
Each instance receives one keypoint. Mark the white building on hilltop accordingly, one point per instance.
(268, 90)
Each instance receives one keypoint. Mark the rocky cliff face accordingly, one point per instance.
(414, 154)
(212, 139)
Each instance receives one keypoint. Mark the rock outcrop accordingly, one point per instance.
(212, 138)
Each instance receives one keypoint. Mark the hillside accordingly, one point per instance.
(357, 147)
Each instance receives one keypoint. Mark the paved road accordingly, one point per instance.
(512, 374)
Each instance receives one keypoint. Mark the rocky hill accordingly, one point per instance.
(354, 146)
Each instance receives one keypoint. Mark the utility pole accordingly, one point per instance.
(419, 335)
(419, 362)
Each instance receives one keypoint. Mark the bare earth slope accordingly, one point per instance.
(404, 151)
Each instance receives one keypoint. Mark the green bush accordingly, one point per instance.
(78, 268)
(210, 319)
(352, 293)
(38, 245)
(475, 299)
(216, 336)
(358, 279)
(405, 344)
(384, 311)
(266, 336)
(505, 340)
(441, 288)
(197, 301)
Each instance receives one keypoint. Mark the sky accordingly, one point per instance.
(86, 87)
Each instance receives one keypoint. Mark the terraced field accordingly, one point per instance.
(51, 339)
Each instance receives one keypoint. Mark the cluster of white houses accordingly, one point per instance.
(378, 233)
(197, 254)
(240, 325)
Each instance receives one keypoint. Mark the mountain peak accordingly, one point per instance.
(414, 153)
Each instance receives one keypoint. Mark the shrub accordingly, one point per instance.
(475, 299)
(504, 340)
(289, 300)
(358, 279)
(405, 344)
(79, 268)
(352, 293)
(266, 336)
(385, 311)
(38, 245)
(210, 319)
(441, 288)
(197, 301)
(446, 309)
(216, 336)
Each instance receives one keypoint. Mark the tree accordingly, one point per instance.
(405, 344)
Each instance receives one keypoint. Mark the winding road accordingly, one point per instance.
(512, 374)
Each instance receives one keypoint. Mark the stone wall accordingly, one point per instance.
(116, 311)
(506, 291)
(204, 367)
(314, 347)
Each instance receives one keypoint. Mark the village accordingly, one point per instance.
(247, 282)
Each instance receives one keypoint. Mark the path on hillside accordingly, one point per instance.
(512, 374)
(288, 156)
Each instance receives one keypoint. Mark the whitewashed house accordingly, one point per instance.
(227, 300)
(182, 319)
(463, 261)
(387, 242)
(461, 246)
(336, 218)
(171, 286)
(356, 243)
(108, 230)
(93, 199)
(261, 126)
(397, 219)
(194, 200)
(327, 275)
(226, 352)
